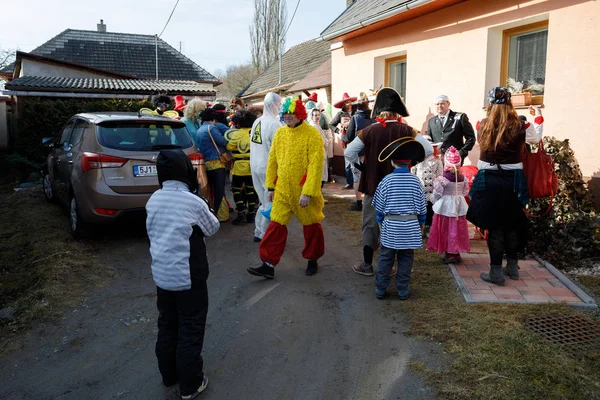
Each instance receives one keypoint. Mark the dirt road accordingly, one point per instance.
(323, 337)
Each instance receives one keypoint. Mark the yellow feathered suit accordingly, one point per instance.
(295, 168)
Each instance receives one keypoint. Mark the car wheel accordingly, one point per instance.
(78, 226)
(47, 188)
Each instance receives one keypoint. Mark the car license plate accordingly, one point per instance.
(144, 170)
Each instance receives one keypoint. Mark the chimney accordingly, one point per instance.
(101, 26)
(349, 3)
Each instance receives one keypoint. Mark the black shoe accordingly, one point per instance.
(256, 239)
(348, 187)
(355, 206)
(264, 270)
(250, 217)
(240, 219)
(312, 267)
(169, 381)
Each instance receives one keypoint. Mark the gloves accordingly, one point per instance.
(304, 200)
(359, 166)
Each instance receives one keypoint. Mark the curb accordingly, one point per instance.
(585, 298)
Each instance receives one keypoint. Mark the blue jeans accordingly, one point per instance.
(386, 262)
(349, 175)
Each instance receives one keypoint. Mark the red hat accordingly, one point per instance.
(312, 97)
(345, 99)
(179, 103)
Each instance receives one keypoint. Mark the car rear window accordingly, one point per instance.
(144, 136)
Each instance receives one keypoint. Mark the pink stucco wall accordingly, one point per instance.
(457, 52)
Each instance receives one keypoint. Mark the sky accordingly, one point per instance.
(213, 33)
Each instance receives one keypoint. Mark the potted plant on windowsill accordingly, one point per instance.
(525, 96)
(520, 96)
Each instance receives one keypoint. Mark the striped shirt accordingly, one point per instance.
(171, 213)
(400, 193)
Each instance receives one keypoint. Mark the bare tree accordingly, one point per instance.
(266, 32)
(235, 78)
(6, 57)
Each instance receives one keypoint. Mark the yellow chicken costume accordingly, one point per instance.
(294, 169)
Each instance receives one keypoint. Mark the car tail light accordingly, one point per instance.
(196, 158)
(106, 211)
(96, 161)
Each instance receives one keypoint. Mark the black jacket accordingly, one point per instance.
(358, 122)
(336, 120)
(457, 131)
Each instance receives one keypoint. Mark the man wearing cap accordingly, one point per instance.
(360, 120)
(451, 128)
(388, 111)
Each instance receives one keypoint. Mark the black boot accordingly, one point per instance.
(495, 276)
(250, 217)
(240, 219)
(512, 269)
(312, 267)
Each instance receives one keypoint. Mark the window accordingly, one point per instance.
(524, 57)
(66, 133)
(134, 136)
(77, 134)
(395, 74)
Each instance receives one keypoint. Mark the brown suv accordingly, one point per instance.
(104, 165)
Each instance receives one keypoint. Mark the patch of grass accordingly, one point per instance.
(592, 284)
(42, 268)
(493, 355)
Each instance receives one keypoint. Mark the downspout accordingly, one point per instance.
(372, 20)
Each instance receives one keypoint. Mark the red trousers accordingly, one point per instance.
(273, 243)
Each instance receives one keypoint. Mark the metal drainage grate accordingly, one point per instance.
(574, 333)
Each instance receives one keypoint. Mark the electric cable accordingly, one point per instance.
(291, 20)
(169, 20)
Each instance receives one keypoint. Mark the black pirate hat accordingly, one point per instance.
(389, 100)
(403, 149)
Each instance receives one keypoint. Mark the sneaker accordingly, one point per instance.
(240, 219)
(264, 270)
(355, 207)
(257, 239)
(361, 269)
(250, 217)
(201, 389)
(403, 294)
(348, 187)
(312, 267)
(380, 293)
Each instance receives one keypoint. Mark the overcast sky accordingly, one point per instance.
(213, 33)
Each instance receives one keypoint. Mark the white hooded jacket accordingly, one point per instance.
(263, 130)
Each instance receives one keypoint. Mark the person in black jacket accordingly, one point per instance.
(360, 120)
(451, 128)
(339, 124)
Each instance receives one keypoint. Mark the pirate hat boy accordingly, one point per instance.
(403, 151)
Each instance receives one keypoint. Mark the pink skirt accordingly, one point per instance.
(449, 235)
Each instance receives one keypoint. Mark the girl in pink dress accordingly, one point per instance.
(449, 231)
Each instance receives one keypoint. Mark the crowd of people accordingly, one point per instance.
(409, 187)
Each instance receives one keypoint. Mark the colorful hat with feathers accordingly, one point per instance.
(294, 105)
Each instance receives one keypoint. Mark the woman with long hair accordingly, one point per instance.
(191, 115)
(499, 191)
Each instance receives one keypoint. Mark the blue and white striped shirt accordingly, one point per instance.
(171, 213)
(400, 193)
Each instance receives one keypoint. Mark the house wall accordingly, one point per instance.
(457, 51)
(37, 68)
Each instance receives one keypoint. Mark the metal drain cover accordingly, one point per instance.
(574, 333)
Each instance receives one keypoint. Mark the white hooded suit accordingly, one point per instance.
(261, 137)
